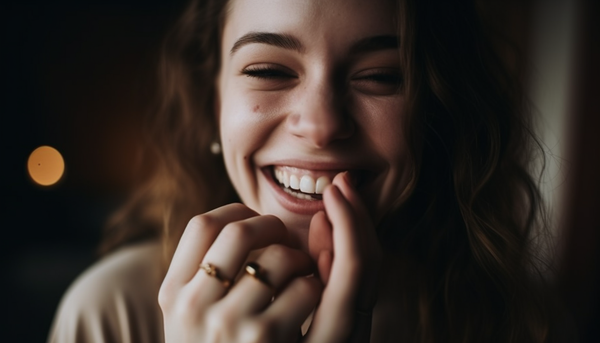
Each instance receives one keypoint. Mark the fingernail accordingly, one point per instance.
(350, 178)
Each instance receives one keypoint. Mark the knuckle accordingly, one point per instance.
(278, 252)
(238, 231)
(238, 206)
(204, 221)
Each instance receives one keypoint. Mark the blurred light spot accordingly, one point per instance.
(45, 165)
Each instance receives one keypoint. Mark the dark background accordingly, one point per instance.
(79, 76)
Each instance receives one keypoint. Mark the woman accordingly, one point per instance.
(380, 152)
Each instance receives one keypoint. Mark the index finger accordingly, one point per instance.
(199, 235)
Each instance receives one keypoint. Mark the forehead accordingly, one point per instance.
(310, 20)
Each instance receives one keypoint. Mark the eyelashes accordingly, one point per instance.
(276, 73)
(383, 77)
(267, 72)
(375, 81)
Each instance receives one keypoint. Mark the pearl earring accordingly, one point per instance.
(215, 148)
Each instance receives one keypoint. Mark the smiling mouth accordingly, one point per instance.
(307, 184)
(298, 183)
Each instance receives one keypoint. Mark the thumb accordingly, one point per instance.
(320, 244)
(324, 264)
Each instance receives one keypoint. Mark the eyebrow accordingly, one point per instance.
(375, 43)
(290, 42)
(277, 39)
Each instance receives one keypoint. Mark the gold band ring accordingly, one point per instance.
(211, 270)
(255, 270)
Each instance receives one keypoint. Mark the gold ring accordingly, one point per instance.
(211, 270)
(255, 270)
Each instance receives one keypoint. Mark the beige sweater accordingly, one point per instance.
(114, 300)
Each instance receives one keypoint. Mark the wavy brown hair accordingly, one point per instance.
(188, 179)
(467, 226)
(475, 211)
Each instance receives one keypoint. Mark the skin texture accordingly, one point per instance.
(325, 106)
(327, 115)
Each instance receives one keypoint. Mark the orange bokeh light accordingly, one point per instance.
(45, 166)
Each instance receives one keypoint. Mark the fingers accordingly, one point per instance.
(346, 245)
(319, 235)
(344, 184)
(354, 236)
(197, 238)
(324, 262)
(282, 321)
(198, 302)
(279, 264)
(320, 244)
(231, 248)
(354, 265)
(302, 295)
(249, 302)
(340, 293)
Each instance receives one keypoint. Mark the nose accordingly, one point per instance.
(320, 117)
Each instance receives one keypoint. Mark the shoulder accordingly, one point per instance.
(114, 299)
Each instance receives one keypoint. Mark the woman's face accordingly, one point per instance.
(308, 89)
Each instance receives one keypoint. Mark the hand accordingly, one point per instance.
(198, 307)
(344, 243)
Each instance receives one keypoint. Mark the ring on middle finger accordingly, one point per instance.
(256, 271)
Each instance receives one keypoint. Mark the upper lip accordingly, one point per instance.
(321, 166)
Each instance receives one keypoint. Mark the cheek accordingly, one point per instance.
(392, 144)
(238, 117)
(249, 117)
(382, 121)
(247, 120)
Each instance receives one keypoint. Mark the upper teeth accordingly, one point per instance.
(304, 183)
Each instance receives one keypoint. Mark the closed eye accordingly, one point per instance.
(268, 72)
(387, 78)
(384, 81)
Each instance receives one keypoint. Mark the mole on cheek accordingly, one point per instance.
(255, 109)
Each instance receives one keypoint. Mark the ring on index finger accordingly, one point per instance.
(212, 271)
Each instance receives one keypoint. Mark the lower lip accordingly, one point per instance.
(290, 202)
